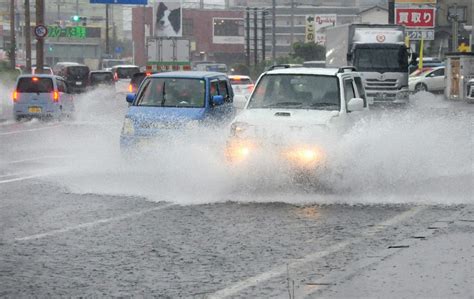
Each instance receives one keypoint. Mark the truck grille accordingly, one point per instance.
(375, 84)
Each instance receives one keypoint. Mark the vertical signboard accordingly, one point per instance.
(309, 29)
(167, 18)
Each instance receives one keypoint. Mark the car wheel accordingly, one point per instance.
(421, 87)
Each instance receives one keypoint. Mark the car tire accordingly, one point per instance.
(421, 87)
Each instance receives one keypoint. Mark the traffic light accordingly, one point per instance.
(77, 19)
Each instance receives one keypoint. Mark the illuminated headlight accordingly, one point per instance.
(238, 151)
(128, 128)
(305, 156)
(238, 128)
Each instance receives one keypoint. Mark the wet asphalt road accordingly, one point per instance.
(56, 241)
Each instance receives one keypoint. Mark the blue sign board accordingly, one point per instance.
(129, 2)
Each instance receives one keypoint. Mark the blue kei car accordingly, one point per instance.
(168, 102)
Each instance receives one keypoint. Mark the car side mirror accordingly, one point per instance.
(130, 98)
(218, 100)
(355, 104)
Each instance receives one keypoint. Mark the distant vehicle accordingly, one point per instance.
(136, 80)
(431, 80)
(41, 96)
(242, 87)
(315, 63)
(76, 75)
(289, 113)
(211, 67)
(46, 70)
(98, 78)
(108, 64)
(122, 75)
(428, 62)
(168, 101)
(379, 54)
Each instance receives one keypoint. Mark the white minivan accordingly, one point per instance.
(289, 112)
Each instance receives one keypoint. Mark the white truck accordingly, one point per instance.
(379, 54)
(166, 55)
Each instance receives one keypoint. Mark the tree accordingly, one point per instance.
(309, 51)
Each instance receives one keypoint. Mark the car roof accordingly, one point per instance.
(125, 65)
(187, 74)
(238, 77)
(39, 76)
(306, 71)
(100, 71)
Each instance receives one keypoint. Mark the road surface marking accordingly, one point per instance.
(91, 224)
(282, 269)
(30, 130)
(39, 158)
(23, 178)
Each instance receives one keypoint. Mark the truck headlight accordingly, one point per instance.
(128, 128)
(305, 156)
(239, 150)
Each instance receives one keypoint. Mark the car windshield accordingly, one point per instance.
(101, 77)
(126, 72)
(35, 85)
(78, 71)
(381, 59)
(172, 92)
(296, 92)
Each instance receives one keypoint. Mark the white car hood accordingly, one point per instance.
(287, 125)
(286, 117)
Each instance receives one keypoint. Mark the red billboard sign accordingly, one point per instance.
(415, 17)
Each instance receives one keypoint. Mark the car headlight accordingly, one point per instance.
(305, 156)
(238, 128)
(128, 128)
(238, 151)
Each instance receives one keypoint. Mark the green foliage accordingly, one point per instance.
(309, 51)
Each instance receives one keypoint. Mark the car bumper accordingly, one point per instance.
(388, 97)
(36, 110)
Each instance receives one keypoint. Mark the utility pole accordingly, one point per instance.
(40, 41)
(454, 29)
(28, 36)
(292, 23)
(472, 27)
(391, 11)
(247, 20)
(255, 36)
(107, 46)
(264, 13)
(77, 7)
(273, 31)
(12, 35)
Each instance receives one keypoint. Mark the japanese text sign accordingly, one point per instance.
(415, 17)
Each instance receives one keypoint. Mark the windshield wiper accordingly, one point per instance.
(282, 104)
(322, 104)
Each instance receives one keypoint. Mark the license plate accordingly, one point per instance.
(34, 109)
(78, 83)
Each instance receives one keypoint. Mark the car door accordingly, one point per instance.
(220, 87)
(438, 80)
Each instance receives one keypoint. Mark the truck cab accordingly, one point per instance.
(291, 111)
(379, 54)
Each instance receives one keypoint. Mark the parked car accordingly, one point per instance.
(242, 87)
(289, 114)
(470, 91)
(431, 80)
(167, 102)
(122, 75)
(101, 78)
(75, 74)
(41, 96)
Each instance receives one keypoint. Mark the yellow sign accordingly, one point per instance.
(464, 48)
(309, 30)
(416, 1)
